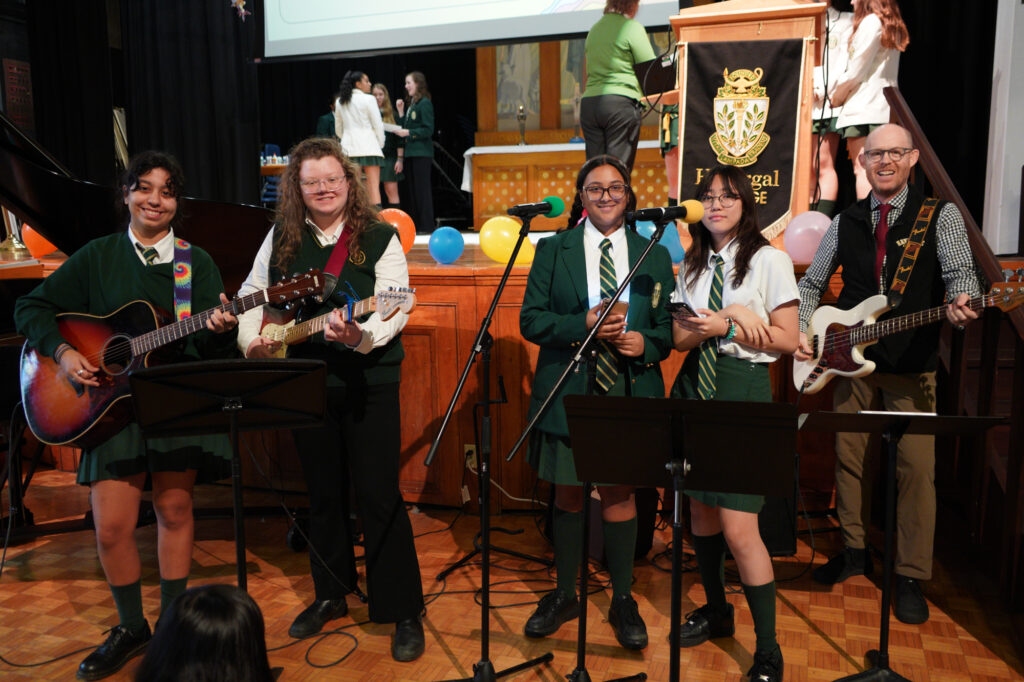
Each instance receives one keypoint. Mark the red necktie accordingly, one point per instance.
(881, 230)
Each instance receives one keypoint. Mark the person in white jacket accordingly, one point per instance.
(838, 28)
(358, 124)
(879, 35)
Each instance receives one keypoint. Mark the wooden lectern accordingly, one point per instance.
(743, 20)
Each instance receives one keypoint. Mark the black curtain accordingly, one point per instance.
(71, 86)
(190, 87)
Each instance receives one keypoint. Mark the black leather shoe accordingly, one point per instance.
(554, 609)
(624, 617)
(121, 646)
(846, 564)
(706, 623)
(407, 643)
(312, 619)
(767, 666)
(908, 602)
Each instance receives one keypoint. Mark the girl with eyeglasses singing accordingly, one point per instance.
(745, 298)
(564, 296)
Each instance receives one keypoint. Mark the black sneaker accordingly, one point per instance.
(554, 609)
(122, 645)
(767, 666)
(706, 623)
(908, 602)
(846, 564)
(624, 617)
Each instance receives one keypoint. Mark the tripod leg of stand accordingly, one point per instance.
(881, 670)
(239, 513)
(676, 610)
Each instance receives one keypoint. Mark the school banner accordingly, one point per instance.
(742, 100)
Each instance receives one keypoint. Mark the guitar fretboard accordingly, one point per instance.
(873, 332)
(172, 332)
(303, 330)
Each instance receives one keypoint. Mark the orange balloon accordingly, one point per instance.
(403, 223)
(37, 244)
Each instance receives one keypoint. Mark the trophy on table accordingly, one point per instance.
(12, 248)
(521, 117)
(576, 137)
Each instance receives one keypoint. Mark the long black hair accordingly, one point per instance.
(576, 213)
(348, 84)
(212, 632)
(748, 231)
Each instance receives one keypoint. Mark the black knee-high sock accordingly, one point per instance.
(128, 600)
(761, 600)
(710, 551)
(619, 550)
(567, 529)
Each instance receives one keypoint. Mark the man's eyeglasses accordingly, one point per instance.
(724, 200)
(596, 192)
(329, 184)
(896, 154)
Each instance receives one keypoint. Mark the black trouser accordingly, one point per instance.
(611, 125)
(417, 174)
(362, 440)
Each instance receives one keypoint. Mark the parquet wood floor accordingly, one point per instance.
(54, 602)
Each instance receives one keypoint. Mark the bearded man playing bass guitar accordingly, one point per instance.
(107, 275)
(868, 240)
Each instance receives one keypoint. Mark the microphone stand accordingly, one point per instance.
(588, 348)
(483, 670)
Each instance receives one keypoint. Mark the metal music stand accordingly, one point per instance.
(891, 426)
(676, 443)
(229, 396)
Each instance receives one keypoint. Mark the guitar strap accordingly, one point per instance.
(336, 261)
(182, 279)
(911, 251)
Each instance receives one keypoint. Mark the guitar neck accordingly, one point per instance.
(873, 332)
(182, 328)
(303, 330)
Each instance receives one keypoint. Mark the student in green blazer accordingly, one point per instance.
(417, 121)
(563, 298)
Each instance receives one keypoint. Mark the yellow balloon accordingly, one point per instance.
(498, 237)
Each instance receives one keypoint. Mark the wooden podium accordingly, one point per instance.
(746, 20)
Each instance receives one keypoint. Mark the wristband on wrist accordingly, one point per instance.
(61, 350)
(732, 329)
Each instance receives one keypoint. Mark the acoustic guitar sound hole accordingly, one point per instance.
(117, 355)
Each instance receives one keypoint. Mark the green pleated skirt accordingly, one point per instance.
(128, 453)
(735, 380)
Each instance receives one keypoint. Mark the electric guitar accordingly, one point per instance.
(385, 303)
(61, 411)
(838, 337)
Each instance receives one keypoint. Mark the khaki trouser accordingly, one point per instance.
(915, 468)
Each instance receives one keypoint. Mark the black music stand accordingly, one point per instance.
(218, 396)
(891, 426)
(676, 443)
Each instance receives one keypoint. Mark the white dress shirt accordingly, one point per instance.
(592, 239)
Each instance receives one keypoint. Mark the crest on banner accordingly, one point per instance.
(741, 111)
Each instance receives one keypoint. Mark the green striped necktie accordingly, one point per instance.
(148, 252)
(706, 372)
(607, 367)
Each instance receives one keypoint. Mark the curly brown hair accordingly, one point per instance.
(291, 207)
(894, 31)
(621, 6)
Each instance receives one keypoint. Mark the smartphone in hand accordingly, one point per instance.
(681, 307)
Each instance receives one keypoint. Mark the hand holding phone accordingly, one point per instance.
(680, 308)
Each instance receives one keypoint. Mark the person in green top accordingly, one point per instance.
(325, 124)
(417, 121)
(610, 110)
(324, 206)
(98, 279)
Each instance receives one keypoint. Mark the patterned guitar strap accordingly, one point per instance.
(910, 252)
(182, 279)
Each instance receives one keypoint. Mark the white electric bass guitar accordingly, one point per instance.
(385, 303)
(838, 337)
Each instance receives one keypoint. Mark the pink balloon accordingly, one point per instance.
(803, 234)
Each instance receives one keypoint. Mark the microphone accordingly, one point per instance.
(551, 207)
(690, 211)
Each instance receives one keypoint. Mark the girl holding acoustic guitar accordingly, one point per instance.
(105, 275)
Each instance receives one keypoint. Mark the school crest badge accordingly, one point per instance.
(741, 111)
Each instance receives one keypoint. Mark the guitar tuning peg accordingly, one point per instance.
(1007, 274)
(1020, 273)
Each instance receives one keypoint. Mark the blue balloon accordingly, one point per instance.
(669, 238)
(446, 245)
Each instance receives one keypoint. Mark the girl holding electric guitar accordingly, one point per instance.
(103, 279)
(325, 220)
(735, 309)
